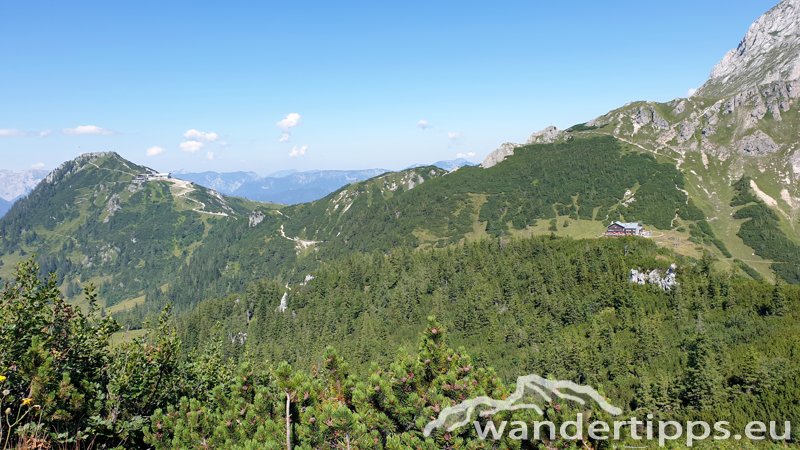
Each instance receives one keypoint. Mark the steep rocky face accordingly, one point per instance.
(502, 152)
(546, 136)
(745, 120)
(769, 52)
(754, 122)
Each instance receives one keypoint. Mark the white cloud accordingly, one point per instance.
(691, 92)
(453, 135)
(286, 124)
(7, 132)
(38, 166)
(45, 133)
(197, 135)
(87, 130)
(210, 156)
(191, 146)
(465, 155)
(155, 151)
(298, 151)
(290, 121)
(196, 140)
(423, 124)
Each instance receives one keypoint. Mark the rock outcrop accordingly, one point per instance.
(769, 52)
(546, 136)
(256, 217)
(655, 277)
(112, 206)
(757, 143)
(500, 154)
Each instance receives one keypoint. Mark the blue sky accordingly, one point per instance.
(135, 77)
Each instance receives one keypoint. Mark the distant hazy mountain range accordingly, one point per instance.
(15, 184)
(449, 165)
(292, 187)
(285, 188)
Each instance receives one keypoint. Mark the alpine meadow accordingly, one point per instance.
(637, 273)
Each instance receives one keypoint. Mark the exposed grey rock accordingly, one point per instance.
(656, 277)
(757, 113)
(256, 217)
(794, 160)
(729, 107)
(284, 304)
(500, 154)
(239, 338)
(680, 108)
(412, 183)
(643, 116)
(685, 131)
(659, 122)
(768, 52)
(112, 207)
(775, 108)
(758, 143)
(599, 121)
(546, 136)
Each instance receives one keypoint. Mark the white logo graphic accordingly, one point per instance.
(459, 415)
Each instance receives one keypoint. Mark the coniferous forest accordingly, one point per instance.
(413, 333)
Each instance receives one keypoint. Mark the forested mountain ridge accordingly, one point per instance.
(579, 184)
(102, 219)
(595, 179)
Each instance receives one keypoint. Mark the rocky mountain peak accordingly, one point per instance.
(769, 52)
(94, 160)
(545, 136)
